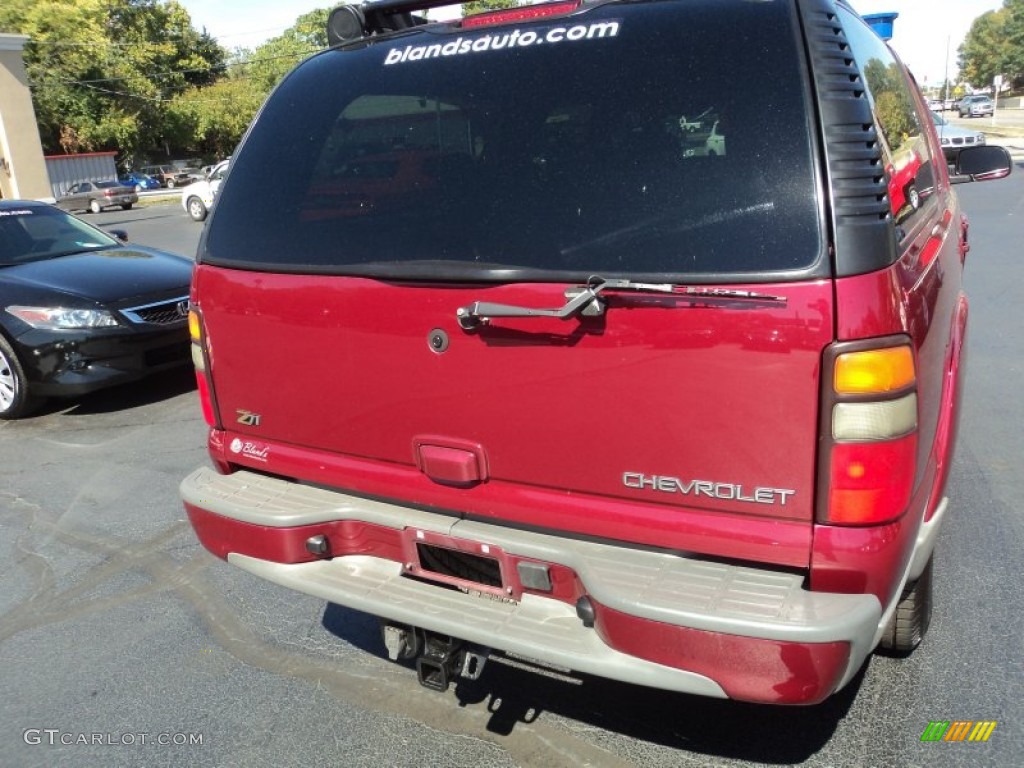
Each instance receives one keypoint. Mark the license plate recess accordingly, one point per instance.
(461, 563)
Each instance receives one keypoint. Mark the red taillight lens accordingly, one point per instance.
(870, 483)
(869, 426)
(205, 402)
(197, 333)
(520, 14)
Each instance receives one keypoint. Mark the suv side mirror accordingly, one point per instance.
(981, 164)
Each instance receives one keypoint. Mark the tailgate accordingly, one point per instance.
(660, 406)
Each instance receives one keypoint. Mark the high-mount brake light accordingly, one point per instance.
(197, 334)
(869, 426)
(526, 13)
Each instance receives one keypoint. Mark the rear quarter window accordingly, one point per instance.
(632, 139)
(909, 163)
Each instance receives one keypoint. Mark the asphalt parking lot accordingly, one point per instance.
(124, 643)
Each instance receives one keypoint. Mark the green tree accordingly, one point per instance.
(212, 118)
(985, 50)
(102, 72)
(994, 46)
(266, 65)
(481, 6)
(1015, 42)
(893, 102)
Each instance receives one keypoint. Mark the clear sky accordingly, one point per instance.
(247, 23)
(920, 36)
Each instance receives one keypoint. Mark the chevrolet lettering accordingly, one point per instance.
(724, 491)
(625, 252)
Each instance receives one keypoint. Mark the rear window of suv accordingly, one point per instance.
(632, 139)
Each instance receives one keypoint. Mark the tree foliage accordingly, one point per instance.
(136, 77)
(994, 46)
(271, 61)
(212, 118)
(893, 103)
(103, 71)
(481, 6)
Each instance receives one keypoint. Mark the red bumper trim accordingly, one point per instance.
(747, 668)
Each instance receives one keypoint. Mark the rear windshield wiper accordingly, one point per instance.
(585, 300)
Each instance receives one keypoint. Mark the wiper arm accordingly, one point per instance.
(585, 300)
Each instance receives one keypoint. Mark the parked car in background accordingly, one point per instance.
(953, 138)
(168, 175)
(80, 309)
(975, 106)
(197, 197)
(96, 195)
(140, 181)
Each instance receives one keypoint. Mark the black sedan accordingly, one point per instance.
(80, 309)
(96, 195)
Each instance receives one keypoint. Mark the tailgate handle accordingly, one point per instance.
(451, 462)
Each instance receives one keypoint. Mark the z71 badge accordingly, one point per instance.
(248, 418)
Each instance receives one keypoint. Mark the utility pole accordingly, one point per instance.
(997, 84)
(945, 96)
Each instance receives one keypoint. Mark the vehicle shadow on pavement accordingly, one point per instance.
(717, 728)
(153, 389)
(778, 735)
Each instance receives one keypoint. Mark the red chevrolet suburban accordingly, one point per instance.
(572, 391)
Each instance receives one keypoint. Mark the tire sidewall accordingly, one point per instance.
(23, 400)
(196, 209)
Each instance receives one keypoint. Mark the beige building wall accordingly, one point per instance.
(22, 167)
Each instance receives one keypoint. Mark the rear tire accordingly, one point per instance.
(15, 398)
(909, 623)
(127, 206)
(94, 206)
